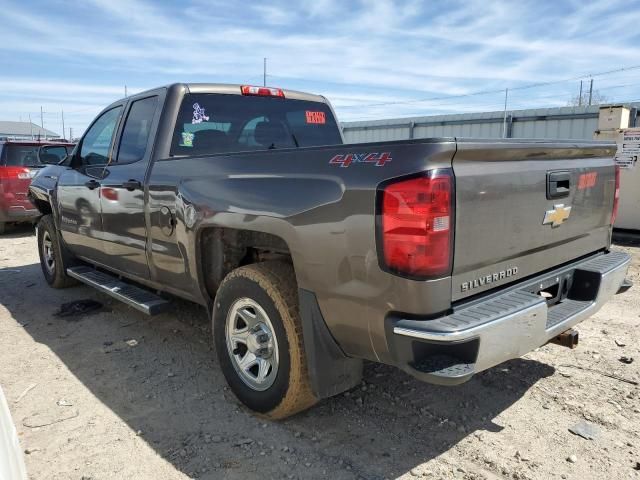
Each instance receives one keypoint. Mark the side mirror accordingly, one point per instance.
(49, 159)
(100, 171)
(52, 155)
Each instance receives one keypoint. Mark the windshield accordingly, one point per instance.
(216, 123)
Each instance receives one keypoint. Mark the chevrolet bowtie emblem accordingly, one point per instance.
(556, 216)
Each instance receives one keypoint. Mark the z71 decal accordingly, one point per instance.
(378, 159)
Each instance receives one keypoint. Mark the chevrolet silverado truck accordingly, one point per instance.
(443, 257)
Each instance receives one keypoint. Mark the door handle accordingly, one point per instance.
(558, 184)
(132, 185)
(92, 184)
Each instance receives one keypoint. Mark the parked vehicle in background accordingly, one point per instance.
(443, 257)
(11, 459)
(19, 162)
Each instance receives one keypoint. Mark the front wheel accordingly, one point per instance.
(54, 257)
(258, 339)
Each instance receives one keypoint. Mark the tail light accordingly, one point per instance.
(21, 173)
(415, 225)
(616, 197)
(261, 91)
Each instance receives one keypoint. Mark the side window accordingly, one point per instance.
(135, 135)
(97, 141)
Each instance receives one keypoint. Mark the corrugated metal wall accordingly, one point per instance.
(577, 123)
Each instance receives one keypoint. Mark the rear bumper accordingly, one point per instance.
(506, 324)
(18, 214)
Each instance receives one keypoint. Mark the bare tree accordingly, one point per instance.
(596, 99)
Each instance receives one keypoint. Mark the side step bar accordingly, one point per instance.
(134, 296)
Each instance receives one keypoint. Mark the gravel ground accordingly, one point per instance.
(118, 395)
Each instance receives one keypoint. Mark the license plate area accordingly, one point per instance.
(553, 289)
(575, 284)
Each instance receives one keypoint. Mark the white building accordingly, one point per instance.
(25, 131)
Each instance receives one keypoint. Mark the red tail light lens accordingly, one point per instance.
(21, 173)
(616, 196)
(416, 222)
(261, 91)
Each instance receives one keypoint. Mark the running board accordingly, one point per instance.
(134, 296)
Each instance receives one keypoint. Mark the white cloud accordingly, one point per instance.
(361, 52)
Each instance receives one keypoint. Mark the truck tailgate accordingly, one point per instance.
(503, 231)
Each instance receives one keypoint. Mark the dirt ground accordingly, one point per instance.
(89, 403)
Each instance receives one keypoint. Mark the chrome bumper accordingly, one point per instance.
(509, 324)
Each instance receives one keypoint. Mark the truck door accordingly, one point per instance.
(122, 191)
(79, 189)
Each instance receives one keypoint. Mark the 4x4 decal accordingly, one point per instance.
(379, 159)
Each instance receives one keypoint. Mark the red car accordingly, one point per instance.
(19, 161)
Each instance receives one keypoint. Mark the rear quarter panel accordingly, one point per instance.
(324, 212)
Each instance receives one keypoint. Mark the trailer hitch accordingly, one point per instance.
(626, 285)
(568, 338)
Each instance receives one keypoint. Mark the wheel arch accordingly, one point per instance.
(43, 206)
(223, 249)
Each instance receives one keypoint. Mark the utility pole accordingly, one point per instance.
(125, 91)
(41, 118)
(63, 130)
(504, 118)
(71, 134)
(31, 126)
(590, 91)
(264, 72)
(580, 97)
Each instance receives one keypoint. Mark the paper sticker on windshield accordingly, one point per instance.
(315, 117)
(198, 114)
(187, 139)
(378, 159)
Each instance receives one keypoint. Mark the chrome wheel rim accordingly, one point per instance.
(47, 253)
(251, 344)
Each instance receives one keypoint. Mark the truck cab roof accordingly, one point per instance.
(225, 89)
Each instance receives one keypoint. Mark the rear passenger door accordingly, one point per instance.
(122, 193)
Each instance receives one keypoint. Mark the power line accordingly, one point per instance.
(501, 90)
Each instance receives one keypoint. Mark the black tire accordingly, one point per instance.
(55, 274)
(272, 285)
(3, 227)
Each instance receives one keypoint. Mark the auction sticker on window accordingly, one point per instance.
(315, 117)
(628, 148)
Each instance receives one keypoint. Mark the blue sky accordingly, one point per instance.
(371, 59)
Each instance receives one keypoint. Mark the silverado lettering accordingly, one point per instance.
(492, 278)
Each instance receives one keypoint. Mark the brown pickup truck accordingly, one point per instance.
(443, 257)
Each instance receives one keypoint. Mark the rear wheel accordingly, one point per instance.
(258, 338)
(54, 257)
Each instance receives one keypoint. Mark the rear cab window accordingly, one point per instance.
(211, 123)
(16, 155)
